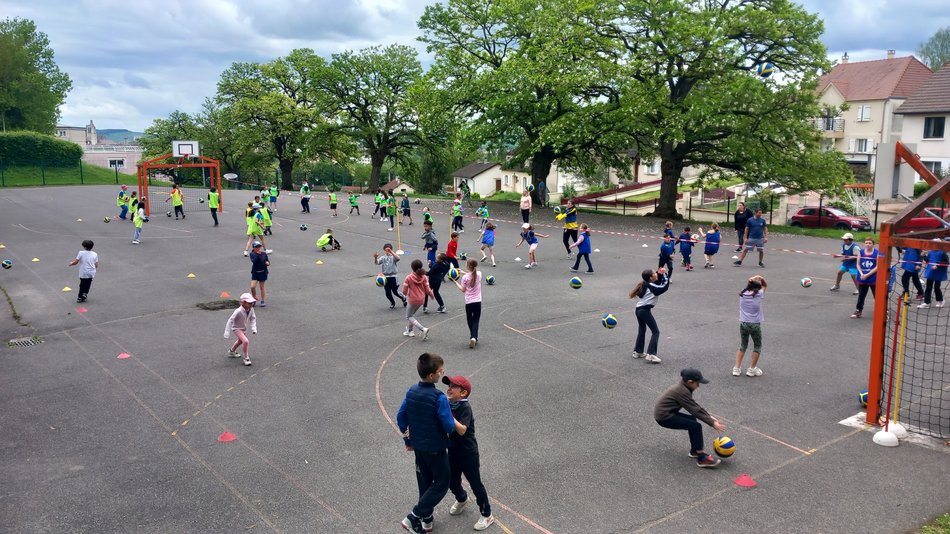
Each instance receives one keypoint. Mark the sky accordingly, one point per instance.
(132, 61)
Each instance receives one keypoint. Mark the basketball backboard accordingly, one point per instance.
(891, 179)
(185, 148)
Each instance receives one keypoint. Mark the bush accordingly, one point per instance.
(760, 202)
(568, 191)
(30, 148)
(920, 188)
(476, 196)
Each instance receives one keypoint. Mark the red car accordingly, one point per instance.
(807, 217)
(926, 222)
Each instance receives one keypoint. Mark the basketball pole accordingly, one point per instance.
(885, 437)
(894, 425)
(399, 249)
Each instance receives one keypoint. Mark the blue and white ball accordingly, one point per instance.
(609, 320)
(490, 280)
(576, 282)
(863, 398)
(7, 264)
(530, 187)
(380, 280)
(558, 210)
(764, 70)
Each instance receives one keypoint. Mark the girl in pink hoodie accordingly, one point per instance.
(415, 288)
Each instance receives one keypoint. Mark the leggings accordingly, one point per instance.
(411, 317)
(241, 340)
(392, 221)
(907, 277)
(568, 234)
(645, 320)
(586, 256)
(524, 215)
(457, 223)
(933, 287)
(863, 294)
(431, 250)
(473, 313)
(354, 207)
(179, 210)
(375, 209)
(392, 288)
(214, 215)
(435, 291)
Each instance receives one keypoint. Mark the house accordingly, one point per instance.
(872, 90)
(84, 136)
(398, 187)
(925, 117)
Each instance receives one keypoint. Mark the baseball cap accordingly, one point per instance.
(255, 244)
(124, 187)
(459, 381)
(693, 374)
(247, 297)
(848, 235)
(526, 226)
(256, 205)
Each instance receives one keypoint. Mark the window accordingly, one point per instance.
(654, 167)
(862, 145)
(116, 163)
(864, 113)
(524, 182)
(62, 133)
(933, 127)
(506, 180)
(934, 167)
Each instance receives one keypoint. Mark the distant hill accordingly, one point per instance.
(119, 136)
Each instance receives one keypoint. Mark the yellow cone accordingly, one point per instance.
(34, 260)
(2, 245)
(78, 220)
(192, 275)
(319, 262)
(67, 288)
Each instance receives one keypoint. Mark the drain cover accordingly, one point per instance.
(24, 342)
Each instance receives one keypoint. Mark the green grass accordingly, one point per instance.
(832, 233)
(940, 526)
(504, 196)
(34, 176)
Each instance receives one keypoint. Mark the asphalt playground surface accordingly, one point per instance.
(94, 443)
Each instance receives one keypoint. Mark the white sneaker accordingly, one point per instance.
(407, 333)
(247, 361)
(923, 306)
(389, 229)
(528, 266)
(471, 343)
(245, 253)
(232, 354)
(638, 355)
(135, 242)
(753, 371)
(457, 508)
(425, 333)
(652, 359)
(939, 304)
(736, 371)
(461, 231)
(484, 522)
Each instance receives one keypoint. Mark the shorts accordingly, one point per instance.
(750, 329)
(332, 206)
(405, 212)
(850, 270)
(755, 243)
(258, 277)
(255, 232)
(273, 199)
(532, 247)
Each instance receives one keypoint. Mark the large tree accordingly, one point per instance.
(371, 90)
(936, 50)
(531, 76)
(280, 102)
(31, 85)
(693, 62)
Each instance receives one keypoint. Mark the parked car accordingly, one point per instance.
(926, 222)
(808, 217)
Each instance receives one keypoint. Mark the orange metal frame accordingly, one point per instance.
(205, 163)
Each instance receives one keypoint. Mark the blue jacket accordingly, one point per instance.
(910, 261)
(712, 242)
(584, 246)
(686, 243)
(936, 266)
(426, 414)
(667, 250)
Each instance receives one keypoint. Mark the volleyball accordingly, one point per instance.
(106, 219)
(695, 237)
(862, 397)
(303, 227)
(805, 282)
(557, 210)
(453, 274)
(7, 264)
(609, 320)
(201, 201)
(576, 282)
(724, 446)
(380, 280)
(490, 280)
(530, 187)
(463, 256)
(168, 214)
(765, 70)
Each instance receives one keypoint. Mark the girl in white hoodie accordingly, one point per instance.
(242, 319)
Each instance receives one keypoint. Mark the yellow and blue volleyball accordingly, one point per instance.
(765, 70)
(490, 280)
(380, 280)
(7, 264)
(530, 187)
(724, 446)
(863, 397)
(453, 274)
(576, 282)
(557, 210)
(609, 320)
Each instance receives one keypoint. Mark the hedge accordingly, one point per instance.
(30, 148)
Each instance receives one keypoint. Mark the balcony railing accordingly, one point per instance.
(829, 124)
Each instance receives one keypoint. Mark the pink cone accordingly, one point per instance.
(226, 437)
(745, 481)
(81, 310)
(123, 355)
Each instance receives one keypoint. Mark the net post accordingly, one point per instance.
(876, 364)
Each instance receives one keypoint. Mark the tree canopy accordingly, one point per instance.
(936, 50)
(31, 85)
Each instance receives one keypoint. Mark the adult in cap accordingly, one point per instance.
(679, 397)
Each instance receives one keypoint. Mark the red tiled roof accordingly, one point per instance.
(877, 80)
(932, 97)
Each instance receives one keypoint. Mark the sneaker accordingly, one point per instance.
(570, 256)
(405, 303)
(590, 272)
(920, 296)
(409, 333)
(427, 523)
(471, 343)
(232, 354)
(712, 266)
(425, 333)
(857, 314)
(652, 359)
(753, 371)
(737, 262)
(493, 264)
(263, 304)
(412, 524)
(638, 355)
(135, 242)
(573, 270)
(736, 371)
(461, 231)
(761, 264)
(389, 229)
(855, 292)
(707, 461)
(739, 249)
(425, 310)
(247, 361)
(693, 454)
(528, 266)
(457, 508)
(440, 309)
(483, 259)
(706, 266)
(392, 306)
(484, 522)
(923, 306)
(939, 304)
(245, 253)
(534, 264)
(834, 288)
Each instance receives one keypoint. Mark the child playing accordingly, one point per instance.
(867, 275)
(266, 217)
(388, 262)
(378, 201)
(668, 228)
(354, 203)
(259, 264)
(680, 397)
(391, 211)
(177, 201)
(425, 420)
(529, 236)
(133, 205)
(214, 202)
(274, 192)
(88, 262)
(437, 271)
(138, 220)
(404, 205)
(647, 293)
(255, 226)
(431, 241)
(332, 198)
(482, 212)
(463, 453)
(750, 324)
(242, 319)
(305, 198)
(569, 216)
(451, 251)
(910, 262)
(686, 248)
(426, 216)
(471, 285)
(488, 243)
(457, 214)
(327, 240)
(667, 250)
(122, 201)
(417, 290)
(849, 262)
(935, 274)
(712, 239)
(583, 250)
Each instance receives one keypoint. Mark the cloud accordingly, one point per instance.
(868, 25)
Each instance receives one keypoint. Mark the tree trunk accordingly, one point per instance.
(286, 174)
(376, 165)
(671, 169)
(540, 168)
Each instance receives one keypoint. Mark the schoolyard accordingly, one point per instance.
(95, 443)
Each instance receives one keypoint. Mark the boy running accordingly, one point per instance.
(88, 262)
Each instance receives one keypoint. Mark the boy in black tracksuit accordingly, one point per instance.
(437, 272)
(463, 452)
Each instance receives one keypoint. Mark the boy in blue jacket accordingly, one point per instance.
(667, 250)
(686, 248)
(425, 420)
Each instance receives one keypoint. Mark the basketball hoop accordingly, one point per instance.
(861, 198)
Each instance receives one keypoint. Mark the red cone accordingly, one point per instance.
(226, 437)
(745, 481)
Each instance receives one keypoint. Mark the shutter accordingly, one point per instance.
(851, 145)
